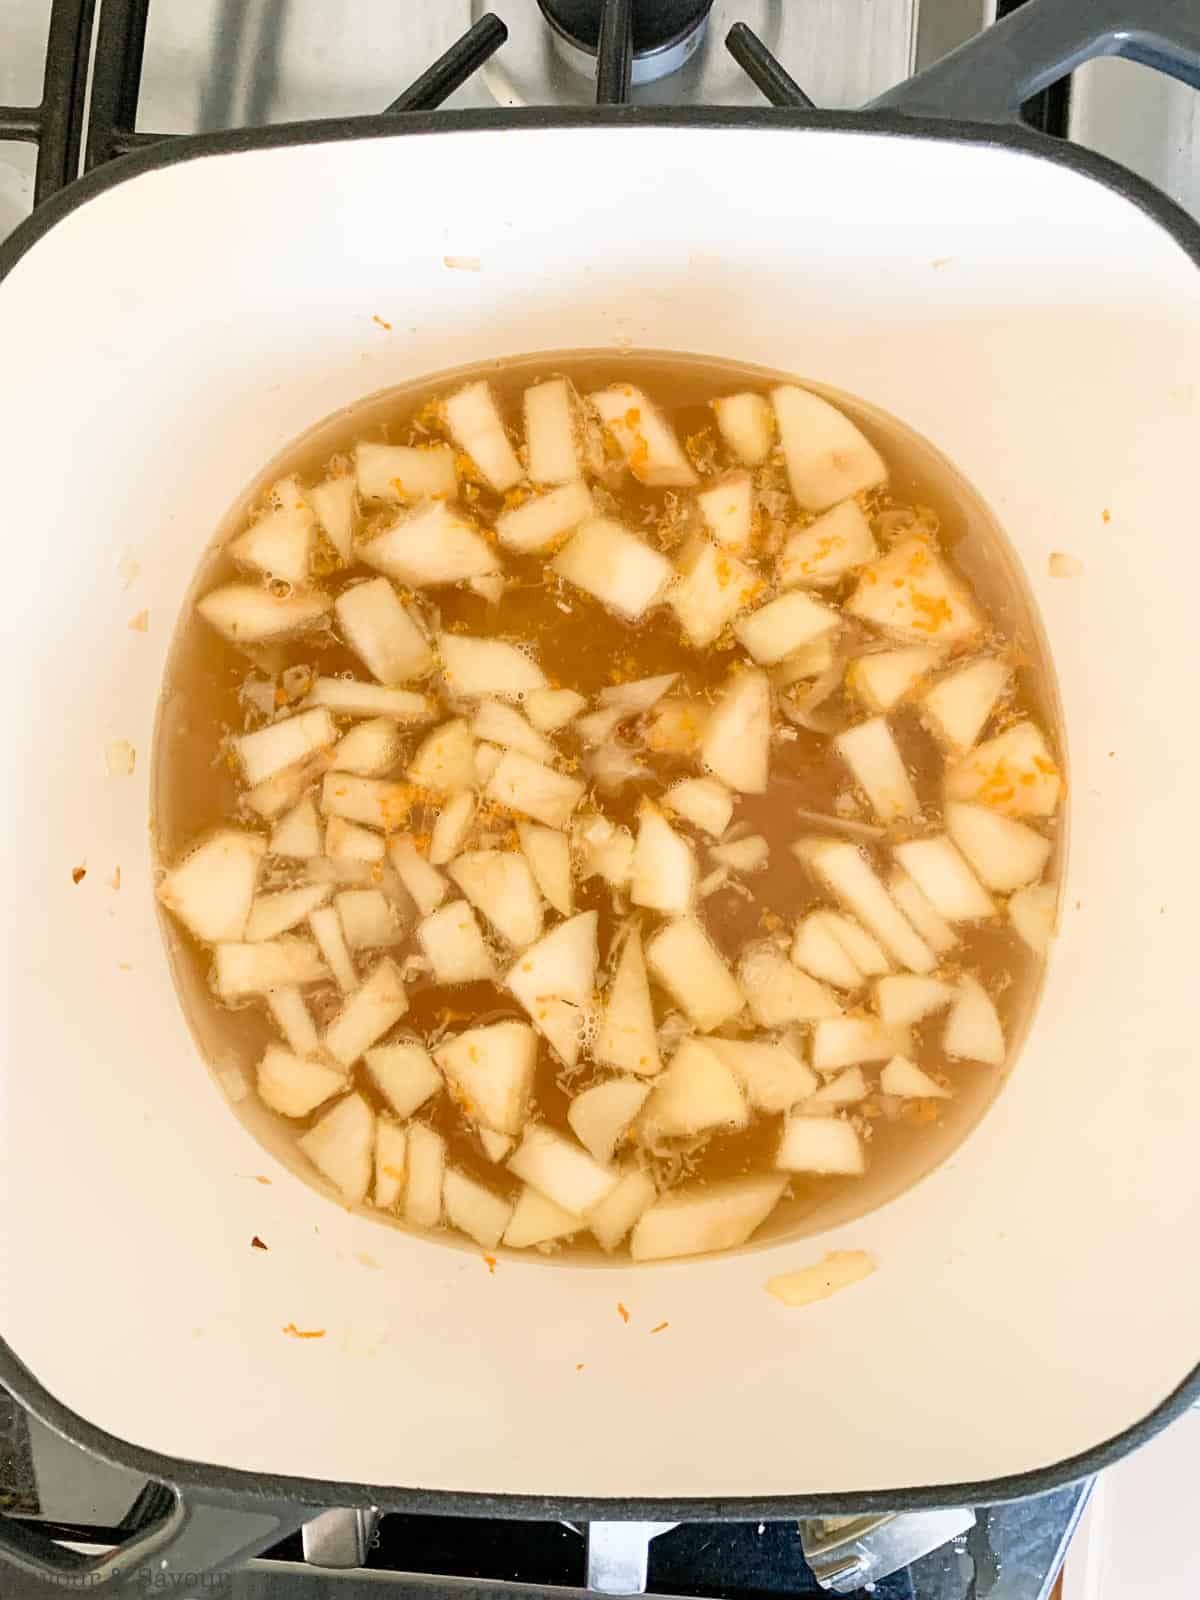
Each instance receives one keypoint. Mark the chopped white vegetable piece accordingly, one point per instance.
(749, 854)
(612, 1219)
(474, 1209)
(638, 695)
(326, 926)
(280, 544)
(554, 980)
(1014, 773)
(487, 759)
(536, 1220)
(370, 748)
(344, 872)
(491, 1072)
(628, 1035)
(912, 593)
(600, 1115)
(495, 1146)
(866, 953)
(608, 562)
(293, 1086)
(247, 614)
(613, 766)
(664, 865)
(728, 510)
(452, 940)
(676, 727)
(551, 709)
(545, 519)
(882, 680)
(499, 884)
(346, 697)
(605, 850)
(391, 1161)
(375, 1006)
(474, 668)
(829, 548)
(535, 791)
(445, 759)
(504, 725)
(747, 425)
(959, 704)
(1006, 854)
(847, 1041)
(382, 633)
(973, 1031)
(369, 921)
(283, 744)
(212, 888)
(906, 1080)
(735, 744)
(836, 1270)
(688, 965)
(348, 842)
(474, 422)
(784, 625)
(298, 832)
(828, 459)
(273, 914)
(551, 432)
(489, 587)
(375, 802)
(820, 1144)
(874, 758)
(285, 789)
(423, 881)
(597, 726)
(291, 1017)
(452, 826)
(333, 502)
(342, 1146)
(779, 993)
(405, 1075)
(426, 1168)
(548, 853)
(647, 441)
(847, 1089)
(431, 546)
(934, 929)
(817, 949)
(697, 1091)
(712, 586)
(401, 472)
(809, 662)
(772, 1076)
(703, 802)
(1032, 912)
(561, 1170)
(243, 969)
(941, 874)
(904, 998)
(706, 1217)
(843, 868)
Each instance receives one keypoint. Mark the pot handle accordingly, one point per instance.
(990, 77)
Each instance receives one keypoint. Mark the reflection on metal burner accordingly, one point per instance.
(666, 33)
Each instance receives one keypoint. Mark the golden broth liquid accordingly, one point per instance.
(587, 648)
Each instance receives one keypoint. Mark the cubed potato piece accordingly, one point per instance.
(829, 548)
(1013, 773)
(772, 1076)
(628, 1036)
(817, 950)
(561, 1170)
(548, 853)
(825, 1145)
(874, 759)
(454, 945)
(612, 767)
(604, 850)
(710, 589)
(846, 1089)
(280, 544)
(551, 709)
(845, 870)
(599, 1116)
(348, 842)
(866, 953)
(402, 472)
(941, 874)
(1005, 854)
(747, 425)
(342, 1147)
(727, 509)
(245, 969)
(445, 758)
(706, 1217)
(347, 698)
(474, 422)
(369, 921)
(487, 759)
(598, 726)
(749, 854)
(664, 865)
(426, 1170)
(532, 790)
(545, 519)
(810, 662)
(615, 567)
(452, 826)
(554, 980)
(705, 803)
(475, 669)
(292, 1086)
(779, 993)
(973, 1031)
(344, 872)
(694, 1093)
(905, 1079)
(244, 613)
(422, 881)
(211, 889)
(333, 502)
(784, 626)
(912, 594)
(882, 680)
(936, 932)
(273, 914)
(904, 998)
(828, 459)
(552, 432)
(432, 545)
(286, 789)
(391, 1162)
(536, 1220)
(382, 633)
(849, 1041)
(504, 725)
(375, 1006)
(956, 708)
(687, 964)
(735, 745)
(474, 1209)
(646, 439)
(491, 1069)
(374, 802)
(370, 748)
(612, 1219)
(495, 1146)
(676, 727)
(1032, 912)
(636, 696)
(836, 1270)
(291, 1016)
(297, 834)
(499, 884)
(326, 927)
(405, 1075)
(489, 587)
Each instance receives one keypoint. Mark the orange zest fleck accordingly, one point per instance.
(579, 1365)
(257, 1244)
(660, 1327)
(622, 1311)
(78, 874)
(386, 326)
(303, 1333)
(1106, 515)
(491, 1265)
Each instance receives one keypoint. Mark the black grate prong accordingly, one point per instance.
(116, 78)
(614, 53)
(451, 70)
(752, 55)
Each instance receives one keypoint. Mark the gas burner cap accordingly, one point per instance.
(665, 33)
